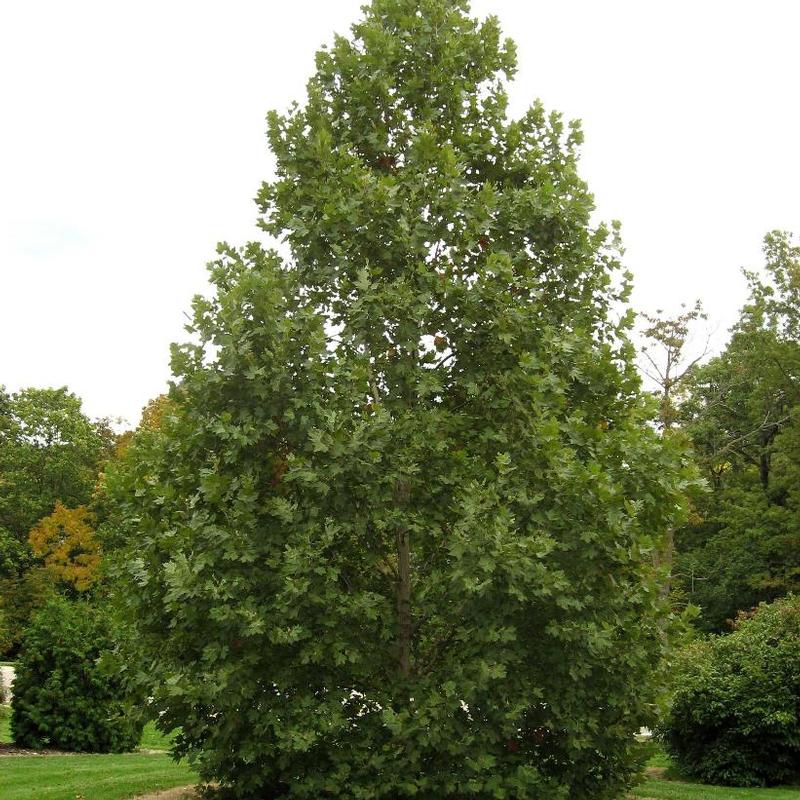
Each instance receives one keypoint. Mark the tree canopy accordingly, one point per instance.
(393, 536)
(742, 417)
(66, 542)
(50, 454)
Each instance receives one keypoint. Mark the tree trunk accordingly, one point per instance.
(404, 627)
(763, 470)
(666, 557)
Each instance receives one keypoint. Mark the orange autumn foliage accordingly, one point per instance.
(67, 543)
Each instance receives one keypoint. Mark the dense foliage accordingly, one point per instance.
(743, 417)
(21, 597)
(62, 698)
(50, 453)
(393, 536)
(735, 717)
(66, 542)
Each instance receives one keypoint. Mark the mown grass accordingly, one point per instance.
(155, 740)
(670, 786)
(5, 724)
(677, 790)
(91, 777)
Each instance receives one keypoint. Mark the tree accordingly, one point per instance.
(151, 419)
(667, 367)
(15, 556)
(742, 417)
(22, 595)
(50, 452)
(393, 536)
(66, 542)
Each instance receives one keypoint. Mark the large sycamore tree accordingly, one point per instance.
(393, 536)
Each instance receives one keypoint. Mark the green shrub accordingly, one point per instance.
(735, 718)
(62, 699)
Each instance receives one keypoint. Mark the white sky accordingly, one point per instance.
(132, 140)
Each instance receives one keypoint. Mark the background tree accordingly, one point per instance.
(667, 364)
(393, 537)
(742, 417)
(66, 542)
(50, 453)
(669, 367)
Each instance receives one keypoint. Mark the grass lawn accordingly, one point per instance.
(153, 739)
(676, 790)
(91, 777)
(5, 725)
(671, 787)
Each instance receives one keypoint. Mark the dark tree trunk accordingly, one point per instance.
(404, 626)
(763, 470)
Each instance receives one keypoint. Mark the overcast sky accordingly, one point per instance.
(132, 140)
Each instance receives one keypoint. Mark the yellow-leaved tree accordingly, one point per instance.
(67, 543)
